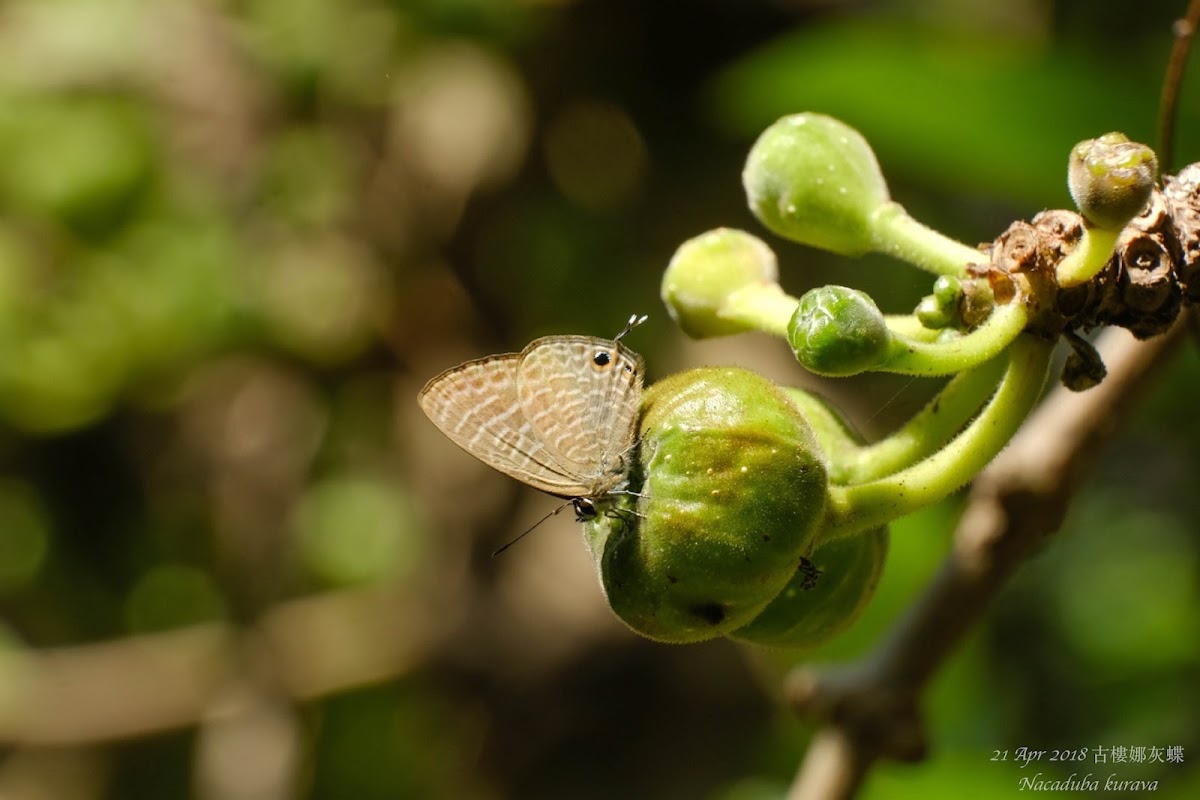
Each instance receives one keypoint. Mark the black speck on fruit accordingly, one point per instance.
(712, 613)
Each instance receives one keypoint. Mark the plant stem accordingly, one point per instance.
(896, 234)
(850, 461)
(912, 357)
(928, 430)
(761, 306)
(909, 327)
(868, 505)
(1089, 256)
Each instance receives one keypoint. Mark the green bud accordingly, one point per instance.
(732, 492)
(940, 309)
(1110, 179)
(815, 180)
(932, 313)
(838, 331)
(948, 290)
(825, 596)
(706, 271)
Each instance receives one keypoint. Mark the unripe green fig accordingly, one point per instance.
(835, 584)
(1111, 178)
(824, 597)
(707, 270)
(814, 179)
(730, 493)
(838, 331)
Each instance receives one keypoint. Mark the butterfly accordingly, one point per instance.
(560, 416)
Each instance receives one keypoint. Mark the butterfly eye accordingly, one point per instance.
(602, 358)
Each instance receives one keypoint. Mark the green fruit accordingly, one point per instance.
(706, 271)
(825, 596)
(1111, 178)
(829, 592)
(815, 180)
(838, 331)
(732, 492)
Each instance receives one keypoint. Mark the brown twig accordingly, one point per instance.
(1184, 30)
(148, 684)
(871, 710)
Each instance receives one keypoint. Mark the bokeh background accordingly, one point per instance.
(237, 236)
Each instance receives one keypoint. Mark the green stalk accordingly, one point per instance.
(914, 357)
(898, 235)
(1089, 256)
(929, 429)
(860, 507)
(762, 306)
(909, 327)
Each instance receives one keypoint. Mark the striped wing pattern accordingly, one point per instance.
(559, 416)
(476, 406)
(580, 395)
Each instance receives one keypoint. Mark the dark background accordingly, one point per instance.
(237, 237)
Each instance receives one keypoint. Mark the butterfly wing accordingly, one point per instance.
(580, 395)
(477, 407)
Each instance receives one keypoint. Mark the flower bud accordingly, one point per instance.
(948, 290)
(731, 490)
(1110, 179)
(815, 180)
(838, 331)
(932, 313)
(706, 271)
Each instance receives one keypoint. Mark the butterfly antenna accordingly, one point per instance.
(530, 529)
(634, 321)
(1183, 31)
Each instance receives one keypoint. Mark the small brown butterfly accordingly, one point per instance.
(559, 416)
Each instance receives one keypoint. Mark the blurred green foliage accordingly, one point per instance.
(236, 237)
